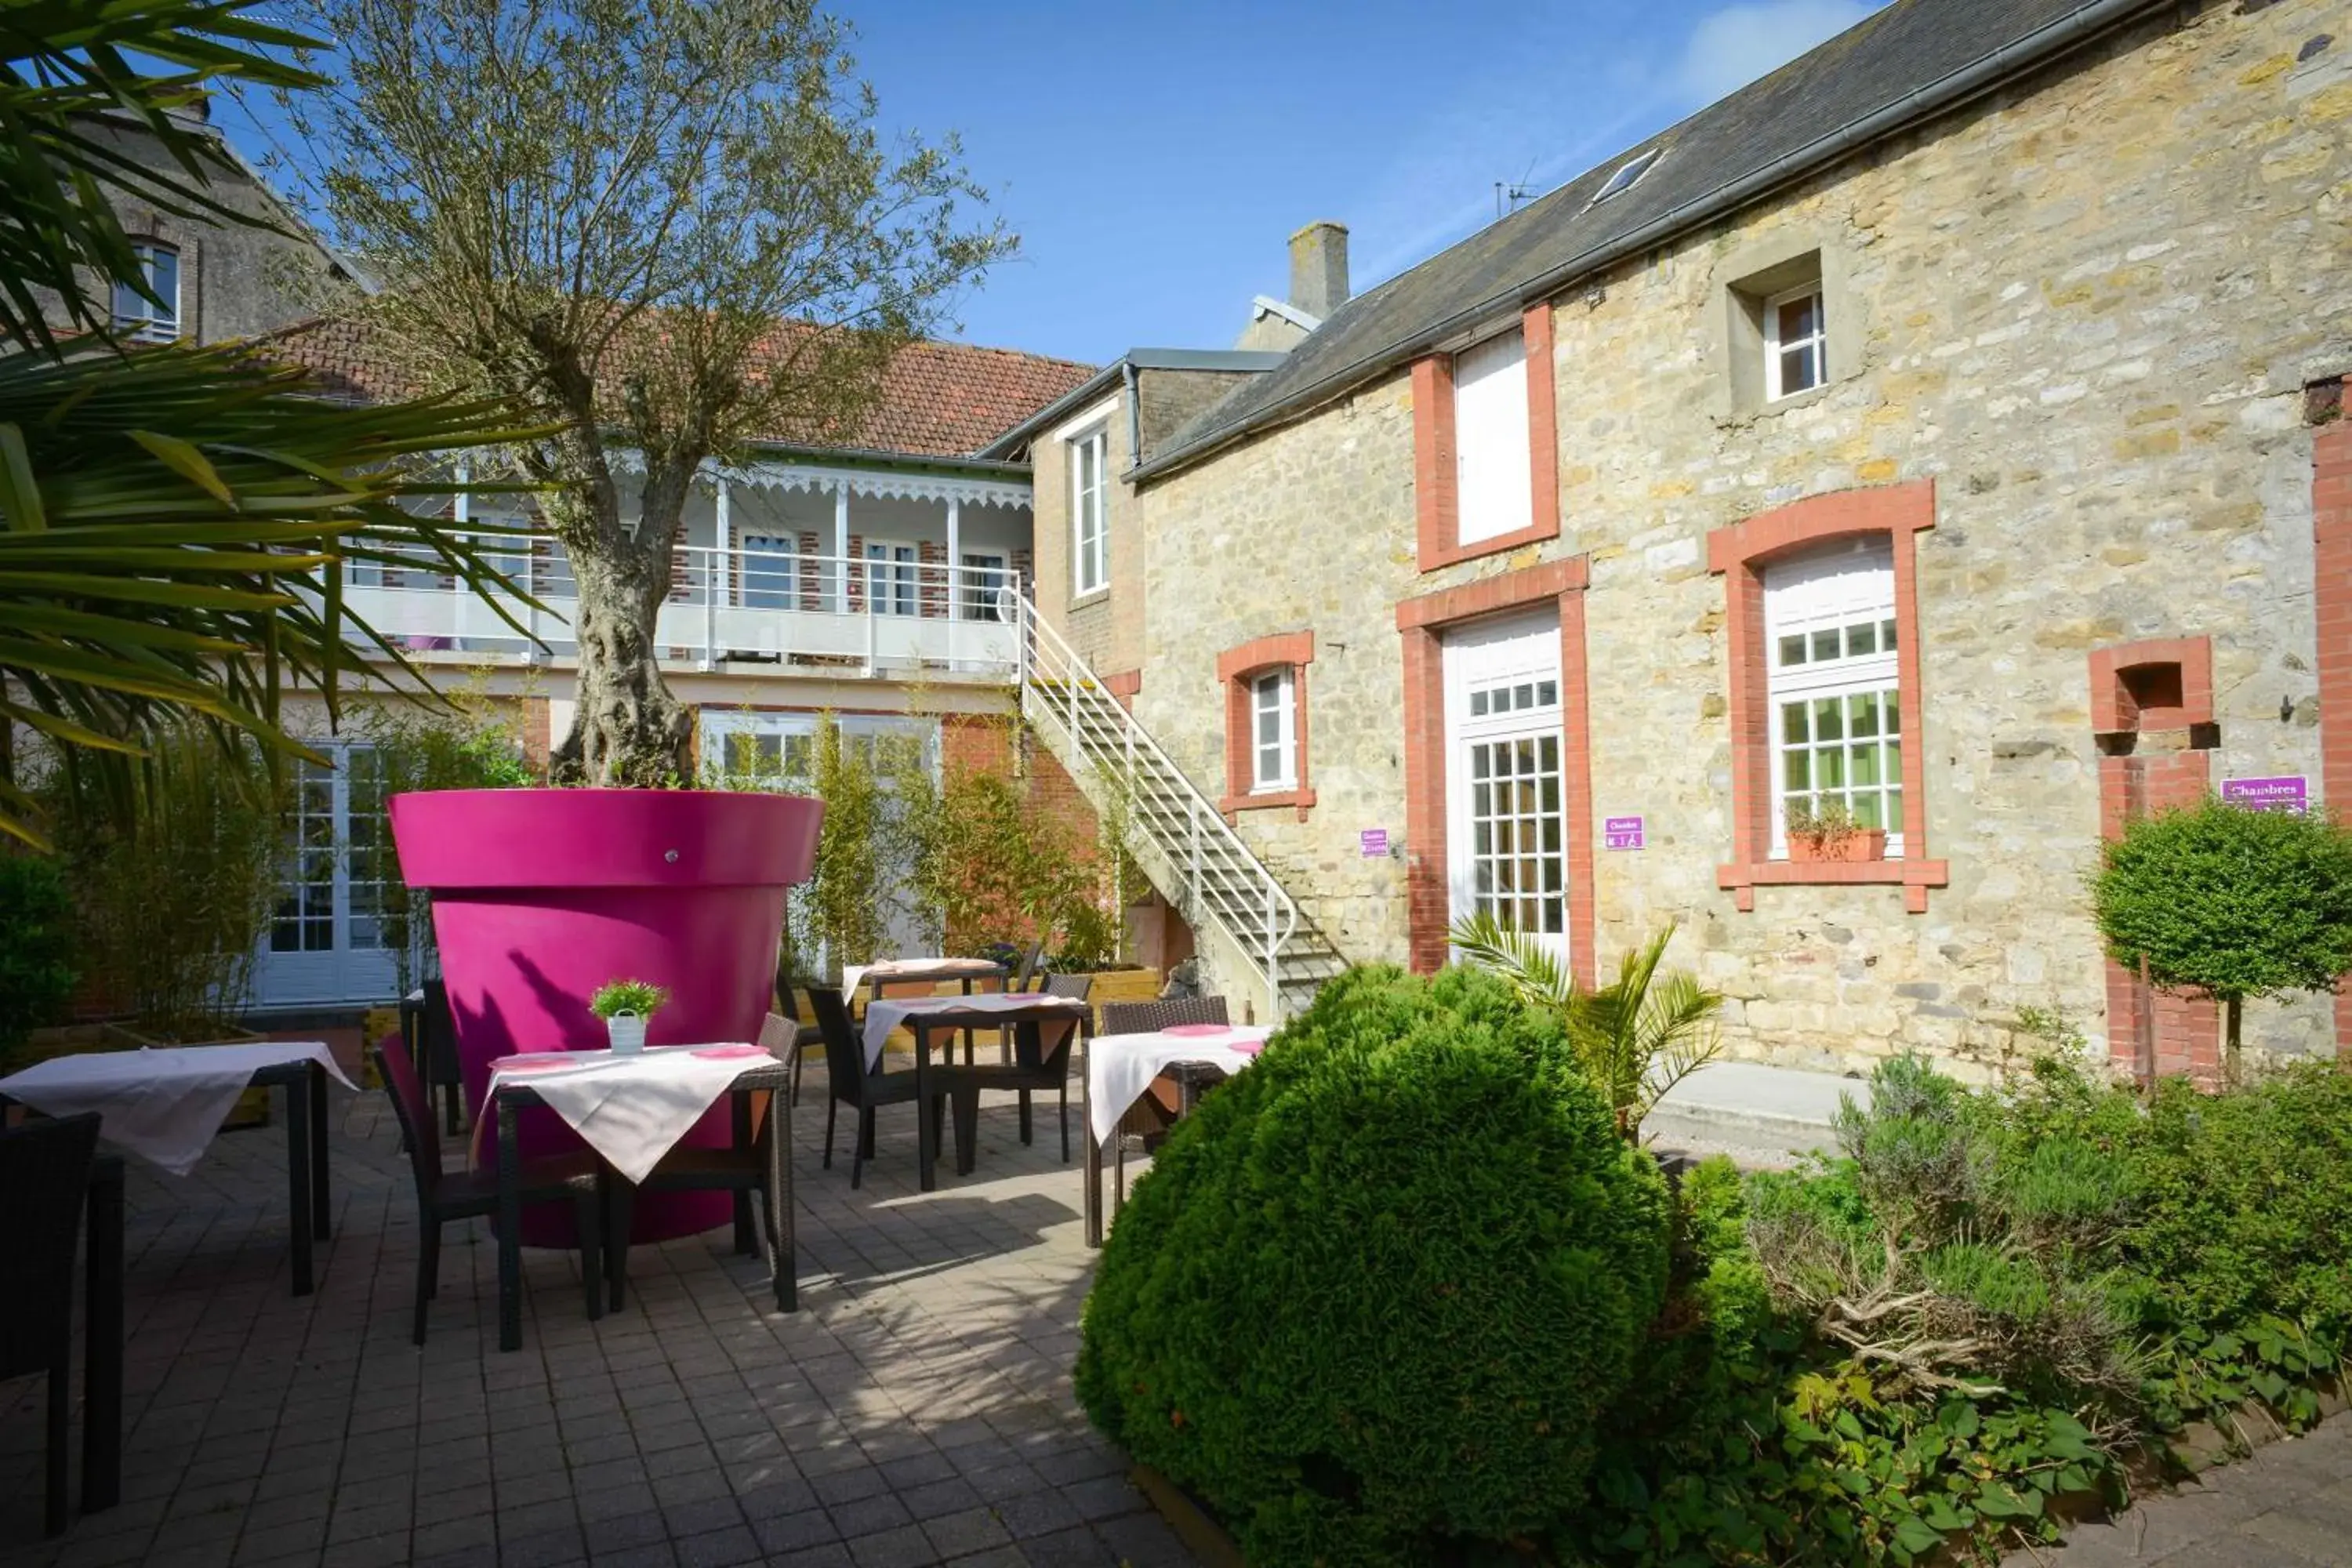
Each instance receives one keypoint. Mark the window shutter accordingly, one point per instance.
(1490, 419)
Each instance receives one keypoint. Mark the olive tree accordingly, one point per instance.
(670, 224)
(2229, 903)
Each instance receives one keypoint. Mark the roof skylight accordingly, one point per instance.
(1628, 175)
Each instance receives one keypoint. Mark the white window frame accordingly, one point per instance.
(1504, 656)
(1274, 693)
(1818, 340)
(1834, 593)
(982, 577)
(1494, 483)
(1089, 467)
(900, 572)
(754, 544)
(143, 323)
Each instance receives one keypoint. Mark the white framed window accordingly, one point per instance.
(983, 585)
(743, 749)
(1796, 343)
(1835, 690)
(1090, 511)
(1507, 828)
(890, 571)
(1274, 731)
(769, 564)
(1494, 483)
(140, 317)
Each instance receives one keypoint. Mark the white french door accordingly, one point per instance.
(326, 941)
(1505, 833)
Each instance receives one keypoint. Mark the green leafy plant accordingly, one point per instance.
(1442, 1258)
(38, 951)
(1635, 1038)
(629, 999)
(2229, 903)
(994, 864)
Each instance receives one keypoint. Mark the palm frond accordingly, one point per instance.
(1529, 967)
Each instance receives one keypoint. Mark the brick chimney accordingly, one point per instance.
(1319, 269)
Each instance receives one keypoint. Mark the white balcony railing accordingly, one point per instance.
(742, 605)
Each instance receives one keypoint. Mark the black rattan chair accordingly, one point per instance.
(1032, 1068)
(430, 1035)
(45, 1173)
(444, 1195)
(1148, 1122)
(849, 1083)
(803, 1036)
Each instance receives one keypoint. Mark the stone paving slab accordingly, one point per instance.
(916, 1410)
(2287, 1506)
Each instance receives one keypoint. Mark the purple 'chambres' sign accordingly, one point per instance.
(2290, 794)
(1620, 832)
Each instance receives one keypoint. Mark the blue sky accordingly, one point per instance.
(1155, 157)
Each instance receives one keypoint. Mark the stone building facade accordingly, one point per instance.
(2083, 326)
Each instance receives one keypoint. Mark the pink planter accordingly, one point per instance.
(540, 896)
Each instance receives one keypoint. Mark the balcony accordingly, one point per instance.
(877, 615)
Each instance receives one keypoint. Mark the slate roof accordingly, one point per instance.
(938, 399)
(1913, 60)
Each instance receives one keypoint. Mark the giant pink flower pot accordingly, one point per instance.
(540, 896)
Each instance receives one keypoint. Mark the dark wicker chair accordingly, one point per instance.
(1029, 1069)
(430, 1035)
(444, 1195)
(741, 1169)
(44, 1171)
(803, 1037)
(1147, 1123)
(849, 1083)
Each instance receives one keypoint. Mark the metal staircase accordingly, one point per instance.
(1178, 837)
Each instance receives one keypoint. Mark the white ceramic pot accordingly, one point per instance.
(627, 1032)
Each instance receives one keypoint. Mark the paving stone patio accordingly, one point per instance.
(916, 1410)
(2287, 1506)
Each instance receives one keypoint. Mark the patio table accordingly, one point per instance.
(923, 1016)
(632, 1108)
(166, 1103)
(1121, 1069)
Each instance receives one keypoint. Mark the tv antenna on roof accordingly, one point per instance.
(1508, 197)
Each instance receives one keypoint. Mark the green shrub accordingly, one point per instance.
(1376, 1291)
(36, 948)
(2230, 904)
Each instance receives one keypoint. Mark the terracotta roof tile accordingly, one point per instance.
(938, 399)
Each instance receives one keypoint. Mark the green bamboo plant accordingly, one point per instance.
(1636, 1039)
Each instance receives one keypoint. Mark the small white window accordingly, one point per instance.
(890, 569)
(140, 317)
(768, 565)
(1836, 717)
(1090, 511)
(1493, 490)
(1274, 731)
(1796, 343)
(983, 583)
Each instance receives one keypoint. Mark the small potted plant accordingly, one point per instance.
(626, 1005)
(1822, 829)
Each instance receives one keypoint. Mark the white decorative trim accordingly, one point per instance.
(879, 484)
(1083, 424)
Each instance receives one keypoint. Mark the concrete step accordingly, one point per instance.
(1764, 1117)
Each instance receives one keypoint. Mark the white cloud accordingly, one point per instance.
(1733, 47)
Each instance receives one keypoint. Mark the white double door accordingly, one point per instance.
(326, 940)
(1505, 831)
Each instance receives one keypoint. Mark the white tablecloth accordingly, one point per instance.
(634, 1108)
(1120, 1067)
(162, 1103)
(881, 1017)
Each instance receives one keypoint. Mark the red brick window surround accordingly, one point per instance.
(1742, 552)
(1423, 621)
(1240, 670)
(1436, 454)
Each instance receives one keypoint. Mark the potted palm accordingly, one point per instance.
(626, 1005)
(1822, 829)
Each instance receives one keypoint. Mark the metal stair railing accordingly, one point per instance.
(1224, 880)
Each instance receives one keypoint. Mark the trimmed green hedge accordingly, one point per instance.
(1374, 1294)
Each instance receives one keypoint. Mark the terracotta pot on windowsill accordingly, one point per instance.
(1857, 846)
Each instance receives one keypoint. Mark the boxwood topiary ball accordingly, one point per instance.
(1374, 1293)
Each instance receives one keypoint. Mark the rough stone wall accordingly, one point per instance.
(2089, 306)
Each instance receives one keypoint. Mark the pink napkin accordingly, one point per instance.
(1248, 1047)
(729, 1053)
(1197, 1031)
(537, 1063)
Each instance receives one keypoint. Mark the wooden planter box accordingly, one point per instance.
(1860, 846)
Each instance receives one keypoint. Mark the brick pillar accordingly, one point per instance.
(2331, 523)
(2155, 758)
